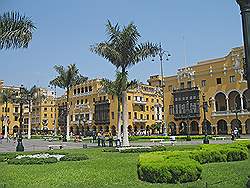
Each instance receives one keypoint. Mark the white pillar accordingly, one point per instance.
(214, 103)
(227, 99)
(160, 112)
(241, 101)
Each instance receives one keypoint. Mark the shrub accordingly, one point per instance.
(171, 167)
(28, 161)
(6, 156)
(74, 157)
(185, 166)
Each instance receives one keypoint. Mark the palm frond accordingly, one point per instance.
(15, 30)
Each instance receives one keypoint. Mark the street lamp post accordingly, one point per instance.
(54, 99)
(205, 109)
(162, 53)
(20, 146)
(245, 13)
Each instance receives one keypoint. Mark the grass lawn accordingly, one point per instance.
(112, 169)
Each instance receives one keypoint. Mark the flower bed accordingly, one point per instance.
(40, 158)
(185, 166)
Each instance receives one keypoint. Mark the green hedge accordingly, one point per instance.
(74, 157)
(28, 161)
(6, 156)
(185, 166)
(134, 138)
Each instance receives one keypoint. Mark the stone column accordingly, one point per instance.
(177, 129)
(241, 102)
(243, 126)
(229, 129)
(214, 104)
(227, 101)
(200, 129)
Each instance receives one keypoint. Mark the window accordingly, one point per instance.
(146, 99)
(152, 100)
(16, 109)
(189, 84)
(157, 100)
(8, 109)
(129, 98)
(171, 112)
(112, 97)
(153, 117)
(113, 115)
(45, 115)
(146, 108)
(141, 116)
(74, 91)
(203, 83)
(147, 116)
(129, 115)
(232, 79)
(104, 98)
(90, 88)
(16, 118)
(77, 102)
(182, 85)
(71, 117)
(87, 116)
(86, 100)
(218, 80)
(93, 99)
(51, 115)
(135, 115)
(81, 101)
(78, 90)
(86, 89)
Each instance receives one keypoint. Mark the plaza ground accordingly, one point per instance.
(110, 169)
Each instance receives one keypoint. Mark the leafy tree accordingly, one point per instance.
(123, 50)
(15, 30)
(66, 79)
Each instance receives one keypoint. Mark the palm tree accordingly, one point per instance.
(66, 79)
(31, 96)
(123, 51)
(6, 97)
(15, 30)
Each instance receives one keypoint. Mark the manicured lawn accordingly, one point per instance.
(112, 169)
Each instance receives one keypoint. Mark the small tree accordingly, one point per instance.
(66, 79)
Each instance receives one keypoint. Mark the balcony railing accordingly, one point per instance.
(83, 94)
(82, 106)
(140, 120)
(230, 113)
(143, 102)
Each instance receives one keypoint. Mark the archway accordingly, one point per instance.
(183, 128)
(148, 130)
(3, 130)
(194, 128)
(222, 126)
(172, 128)
(220, 101)
(234, 100)
(236, 123)
(106, 128)
(113, 130)
(246, 100)
(247, 126)
(135, 129)
(209, 127)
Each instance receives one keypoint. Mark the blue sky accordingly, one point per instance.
(66, 29)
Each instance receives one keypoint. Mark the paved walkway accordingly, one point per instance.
(36, 144)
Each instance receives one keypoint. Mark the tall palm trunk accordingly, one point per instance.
(6, 121)
(125, 118)
(119, 118)
(29, 123)
(67, 108)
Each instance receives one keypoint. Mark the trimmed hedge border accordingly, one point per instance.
(134, 138)
(185, 166)
(10, 158)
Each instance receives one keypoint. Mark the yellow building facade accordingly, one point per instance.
(220, 83)
(91, 109)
